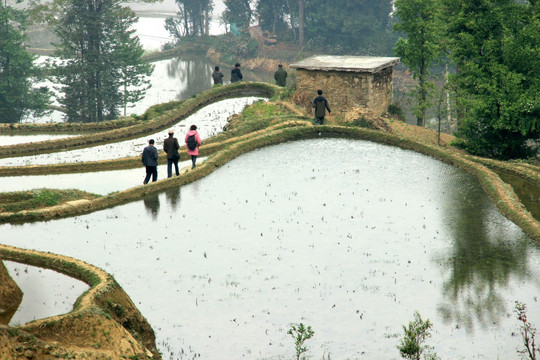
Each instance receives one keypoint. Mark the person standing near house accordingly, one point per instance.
(193, 141)
(171, 146)
(149, 159)
(236, 74)
(320, 104)
(280, 76)
(217, 75)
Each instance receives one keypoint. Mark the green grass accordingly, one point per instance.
(39, 198)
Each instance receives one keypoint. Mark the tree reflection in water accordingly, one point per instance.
(482, 261)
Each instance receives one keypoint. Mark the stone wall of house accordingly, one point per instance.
(346, 89)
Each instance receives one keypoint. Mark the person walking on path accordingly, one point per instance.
(171, 146)
(193, 141)
(320, 104)
(217, 76)
(236, 74)
(280, 76)
(149, 159)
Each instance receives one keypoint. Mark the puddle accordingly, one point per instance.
(210, 121)
(46, 292)
(347, 236)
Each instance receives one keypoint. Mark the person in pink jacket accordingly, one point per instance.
(193, 141)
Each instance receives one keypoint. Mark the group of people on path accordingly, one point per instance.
(149, 156)
(320, 104)
(236, 75)
(193, 139)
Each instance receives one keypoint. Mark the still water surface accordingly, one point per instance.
(350, 237)
(209, 120)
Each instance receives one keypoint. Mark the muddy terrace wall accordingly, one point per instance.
(104, 322)
(347, 89)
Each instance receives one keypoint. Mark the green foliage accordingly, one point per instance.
(361, 122)
(528, 333)
(495, 46)
(286, 93)
(348, 27)
(272, 15)
(300, 334)
(100, 67)
(18, 97)
(46, 197)
(413, 342)
(232, 48)
(396, 110)
(419, 20)
(39, 198)
(192, 19)
(238, 14)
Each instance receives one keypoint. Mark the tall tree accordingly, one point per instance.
(100, 66)
(419, 20)
(192, 18)
(495, 45)
(271, 14)
(238, 13)
(347, 26)
(18, 75)
(301, 22)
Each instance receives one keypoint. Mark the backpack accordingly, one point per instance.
(191, 142)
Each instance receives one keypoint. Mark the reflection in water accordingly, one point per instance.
(195, 75)
(528, 193)
(151, 203)
(10, 295)
(481, 263)
(173, 197)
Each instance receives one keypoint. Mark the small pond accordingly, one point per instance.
(350, 237)
(46, 292)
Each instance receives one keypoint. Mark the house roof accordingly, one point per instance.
(369, 64)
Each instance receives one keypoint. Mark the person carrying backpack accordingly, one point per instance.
(320, 104)
(193, 141)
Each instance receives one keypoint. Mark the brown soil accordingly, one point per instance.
(10, 295)
(104, 325)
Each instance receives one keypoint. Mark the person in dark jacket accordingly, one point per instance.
(280, 76)
(171, 146)
(236, 74)
(149, 159)
(320, 104)
(217, 76)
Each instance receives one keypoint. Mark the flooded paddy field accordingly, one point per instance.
(22, 139)
(347, 236)
(100, 182)
(210, 121)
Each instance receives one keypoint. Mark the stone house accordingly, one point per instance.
(347, 81)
